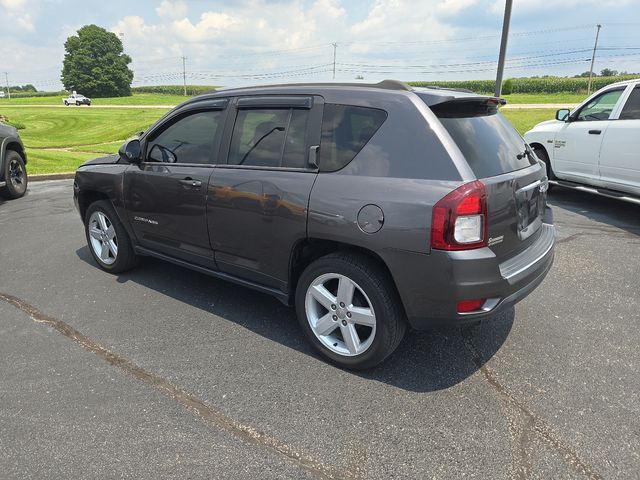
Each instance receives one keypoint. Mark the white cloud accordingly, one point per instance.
(16, 13)
(169, 9)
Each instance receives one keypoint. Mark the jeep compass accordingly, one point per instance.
(369, 207)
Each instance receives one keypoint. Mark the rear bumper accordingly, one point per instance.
(432, 285)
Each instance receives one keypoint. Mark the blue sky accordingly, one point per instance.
(258, 41)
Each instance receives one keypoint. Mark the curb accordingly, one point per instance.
(51, 176)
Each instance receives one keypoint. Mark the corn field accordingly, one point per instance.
(530, 85)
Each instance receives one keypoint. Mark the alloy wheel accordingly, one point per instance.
(17, 175)
(340, 314)
(104, 241)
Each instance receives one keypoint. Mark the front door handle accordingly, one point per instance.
(595, 132)
(190, 182)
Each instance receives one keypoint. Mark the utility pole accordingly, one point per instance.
(6, 76)
(503, 46)
(335, 46)
(184, 74)
(593, 59)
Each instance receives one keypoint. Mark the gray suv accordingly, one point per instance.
(371, 208)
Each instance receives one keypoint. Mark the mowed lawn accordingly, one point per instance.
(60, 139)
(137, 99)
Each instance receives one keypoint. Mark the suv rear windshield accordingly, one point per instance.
(489, 143)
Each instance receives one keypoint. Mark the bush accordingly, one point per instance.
(507, 87)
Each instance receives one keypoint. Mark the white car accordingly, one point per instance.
(595, 147)
(76, 99)
(1, 93)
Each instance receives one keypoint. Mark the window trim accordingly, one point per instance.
(284, 102)
(178, 115)
(319, 153)
(626, 96)
(614, 112)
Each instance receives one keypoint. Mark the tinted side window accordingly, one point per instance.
(600, 108)
(345, 131)
(269, 138)
(189, 140)
(631, 110)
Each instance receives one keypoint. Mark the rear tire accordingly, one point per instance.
(349, 309)
(108, 240)
(15, 175)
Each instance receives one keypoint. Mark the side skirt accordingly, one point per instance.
(283, 297)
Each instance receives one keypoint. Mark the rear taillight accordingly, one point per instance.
(459, 220)
(468, 306)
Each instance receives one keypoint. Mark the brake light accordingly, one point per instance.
(466, 306)
(459, 220)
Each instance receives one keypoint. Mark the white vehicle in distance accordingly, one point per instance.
(1, 93)
(77, 99)
(596, 147)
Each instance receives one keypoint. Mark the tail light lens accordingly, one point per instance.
(459, 220)
(467, 306)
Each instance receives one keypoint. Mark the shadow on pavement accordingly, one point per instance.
(616, 213)
(425, 361)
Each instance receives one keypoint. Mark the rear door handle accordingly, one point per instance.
(190, 182)
(595, 132)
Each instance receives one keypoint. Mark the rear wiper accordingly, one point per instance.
(526, 153)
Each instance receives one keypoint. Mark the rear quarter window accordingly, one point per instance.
(346, 130)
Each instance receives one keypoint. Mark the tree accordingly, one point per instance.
(95, 65)
(607, 72)
(586, 74)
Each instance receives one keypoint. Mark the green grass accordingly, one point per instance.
(108, 148)
(545, 98)
(53, 161)
(83, 133)
(524, 119)
(60, 127)
(136, 99)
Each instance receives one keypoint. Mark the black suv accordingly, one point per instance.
(369, 207)
(13, 161)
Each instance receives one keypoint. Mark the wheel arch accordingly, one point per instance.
(308, 250)
(87, 197)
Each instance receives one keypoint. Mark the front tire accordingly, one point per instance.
(350, 311)
(107, 238)
(66, 104)
(541, 153)
(15, 175)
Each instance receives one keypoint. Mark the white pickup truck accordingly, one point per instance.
(76, 99)
(595, 147)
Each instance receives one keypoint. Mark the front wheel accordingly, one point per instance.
(66, 104)
(15, 175)
(349, 309)
(108, 240)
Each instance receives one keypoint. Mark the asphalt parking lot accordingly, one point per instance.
(166, 373)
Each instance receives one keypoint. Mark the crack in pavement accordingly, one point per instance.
(189, 401)
(523, 424)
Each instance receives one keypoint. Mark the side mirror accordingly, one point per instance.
(131, 151)
(563, 114)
